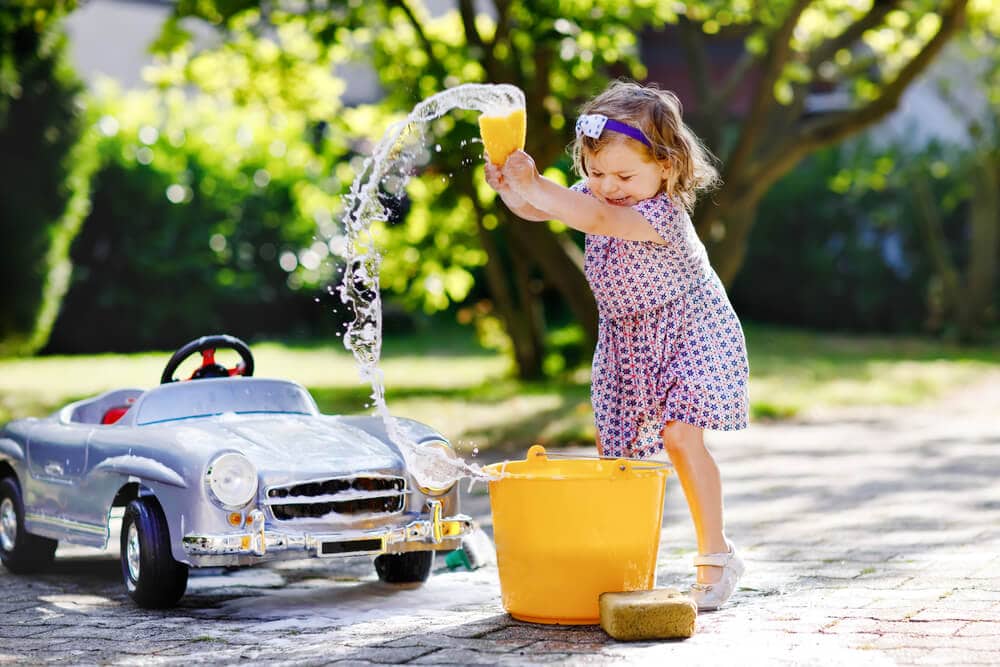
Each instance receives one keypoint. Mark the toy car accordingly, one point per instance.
(222, 470)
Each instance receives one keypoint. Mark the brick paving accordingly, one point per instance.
(872, 536)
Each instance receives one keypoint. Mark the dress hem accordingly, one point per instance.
(706, 424)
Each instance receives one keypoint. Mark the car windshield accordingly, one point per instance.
(204, 398)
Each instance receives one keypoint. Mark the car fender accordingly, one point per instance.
(142, 469)
(175, 501)
(11, 451)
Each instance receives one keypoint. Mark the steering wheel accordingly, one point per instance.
(207, 345)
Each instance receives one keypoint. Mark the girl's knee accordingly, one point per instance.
(681, 438)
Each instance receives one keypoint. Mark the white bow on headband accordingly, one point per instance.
(594, 124)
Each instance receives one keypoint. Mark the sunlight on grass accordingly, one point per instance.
(446, 380)
(793, 372)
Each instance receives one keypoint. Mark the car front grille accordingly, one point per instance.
(344, 496)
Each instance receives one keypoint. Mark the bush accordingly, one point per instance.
(830, 254)
(204, 219)
(45, 173)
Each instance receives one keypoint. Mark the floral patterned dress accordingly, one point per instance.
(670, 346)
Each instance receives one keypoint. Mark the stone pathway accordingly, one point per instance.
(871, 537)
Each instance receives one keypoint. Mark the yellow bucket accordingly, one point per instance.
(567, 530)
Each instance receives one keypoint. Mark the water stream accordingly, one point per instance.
(389, 169)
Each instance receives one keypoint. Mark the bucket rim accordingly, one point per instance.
(533, 466)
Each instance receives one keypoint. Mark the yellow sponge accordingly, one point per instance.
(502, 135)
(658, 614)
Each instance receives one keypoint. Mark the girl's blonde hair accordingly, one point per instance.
(657, 113)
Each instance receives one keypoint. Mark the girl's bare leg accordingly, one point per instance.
(702, 484)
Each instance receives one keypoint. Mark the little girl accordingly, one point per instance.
(671, 356)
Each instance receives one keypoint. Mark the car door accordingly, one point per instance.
(57, 458)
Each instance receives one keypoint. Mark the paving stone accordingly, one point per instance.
(908, 627)
(27, 644)
(19, 631)
(382, 654)
(469, 657)
(897, 640)
(956, 656)
(978, 629)
(444, 641)
(957, 613)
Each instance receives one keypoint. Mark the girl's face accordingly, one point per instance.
(623, 175)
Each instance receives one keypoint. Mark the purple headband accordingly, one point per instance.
(592, 125)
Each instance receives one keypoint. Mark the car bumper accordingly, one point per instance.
(435, 533)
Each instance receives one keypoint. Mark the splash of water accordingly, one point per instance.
(389, 168)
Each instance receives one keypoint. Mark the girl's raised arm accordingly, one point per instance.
(576, 209)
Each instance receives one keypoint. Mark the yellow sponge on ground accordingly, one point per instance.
(663, 613)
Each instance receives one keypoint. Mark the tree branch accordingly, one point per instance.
(421, 35)
(692, 39)
(503, 20)
(835, 127)
(735, 77)
(852, 33)
(467, 11)
(774, 62)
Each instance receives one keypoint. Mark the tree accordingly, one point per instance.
(561, 53)
(874, 51)
(968, 293)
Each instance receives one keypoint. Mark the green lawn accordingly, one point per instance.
(443, 378)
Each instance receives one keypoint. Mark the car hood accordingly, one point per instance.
(294, 445)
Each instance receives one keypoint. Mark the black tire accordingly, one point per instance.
(410, 567)
(20, 551)
(154, 579)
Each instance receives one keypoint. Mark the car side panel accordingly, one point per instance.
(56, 457)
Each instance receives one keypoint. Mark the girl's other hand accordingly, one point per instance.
(494, 177)
(519, 170)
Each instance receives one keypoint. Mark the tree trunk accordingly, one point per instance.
(968, 298)
(529, 320)
(561, 263)
(984, 221)
(726, 233)
(519, 319)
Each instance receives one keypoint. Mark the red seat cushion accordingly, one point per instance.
(114, 414)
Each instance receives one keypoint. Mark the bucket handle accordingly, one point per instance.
(536, 455)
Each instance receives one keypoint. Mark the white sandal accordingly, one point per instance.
(710, 597)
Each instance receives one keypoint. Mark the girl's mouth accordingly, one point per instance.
(621, 201)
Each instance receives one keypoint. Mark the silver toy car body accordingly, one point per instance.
(220, 471)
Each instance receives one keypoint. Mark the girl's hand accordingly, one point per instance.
(519, 171)
(494, 177)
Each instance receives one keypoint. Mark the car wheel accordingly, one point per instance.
(409, 567)
(152, 577)
(20, 551)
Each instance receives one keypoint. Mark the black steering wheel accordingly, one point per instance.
(209, 368)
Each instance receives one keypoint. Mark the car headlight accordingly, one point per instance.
(232, 479)
(439, 468)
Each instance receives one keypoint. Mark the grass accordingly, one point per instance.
(445, 379)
